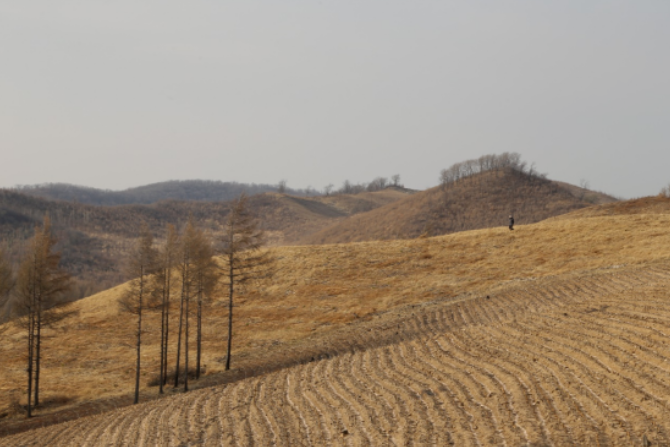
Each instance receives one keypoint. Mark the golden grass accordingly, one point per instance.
(322, 288)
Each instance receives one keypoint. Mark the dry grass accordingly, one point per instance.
(570, 360)
(481, 201)
(320, 289)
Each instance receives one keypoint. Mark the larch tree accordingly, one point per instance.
(206, 279)
(40, 286)
(189, 253)
(140, 294)
(6, 278)
(243, 258)
(165, 278)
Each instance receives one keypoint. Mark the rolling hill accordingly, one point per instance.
(506, 312)
(182, 190)
(94, 240)
(482, 200)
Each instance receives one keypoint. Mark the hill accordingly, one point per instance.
(183, 190)
(344, 301)
(564, 361)
(482, 200)
(94, 240)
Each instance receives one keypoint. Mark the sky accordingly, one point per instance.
(125, 93)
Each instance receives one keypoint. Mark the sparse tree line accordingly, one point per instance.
(492, 162)
(182, 276)
(377, 184)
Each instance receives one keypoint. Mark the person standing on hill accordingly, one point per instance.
(511, 222)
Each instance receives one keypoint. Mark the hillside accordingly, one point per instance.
(483, 200)
(95, 239)
(347, 299)
(183, 190)
(564, 361)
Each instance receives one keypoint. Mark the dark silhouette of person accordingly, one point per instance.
(511, 222)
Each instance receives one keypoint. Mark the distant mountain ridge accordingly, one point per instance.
(186, 190)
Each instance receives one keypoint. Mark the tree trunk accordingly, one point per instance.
(38, 343)
(139, 338)
(181, 319)
(30, 361)
(186, 315)
(199, 332)
(231, 276)
(160, 374)
(167, 331)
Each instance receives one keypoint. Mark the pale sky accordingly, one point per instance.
(114, 94)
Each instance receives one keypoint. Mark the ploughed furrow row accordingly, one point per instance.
(118, 427)
(347, 386)
(397, 412)
(265, 412)
(259, 415)
(214, 427)
(323, 431)
(618, 350)
(232, 430)
(578, 361)
(516, 417)
(635, 366)
(421, 427)
(457, 391)
(400, 395)
(635, 343)
(491, 390)
(153, 427)
(351, 417)
(432, 391)
(298, 427)
(568, 360)
(523, 385)
(578, 420)
(382, 415)
(584, 368)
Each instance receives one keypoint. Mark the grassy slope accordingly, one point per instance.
(481, 201)
(95, 240)
(322, 288)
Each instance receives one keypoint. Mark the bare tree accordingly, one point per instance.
(242, 255)
(195, 257)
(206, 278)
(281, 187)
(665, 192)
(164, 279)
(6, 278)
(328, 189)
(377, 184)
(140, 294)
(40, 286)
(395, 179)
(584, 185)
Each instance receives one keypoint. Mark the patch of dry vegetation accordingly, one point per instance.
(321, 289)
(568, 360)
(95, 240)
(479, 201)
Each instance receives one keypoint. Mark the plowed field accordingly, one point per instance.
(578, 360)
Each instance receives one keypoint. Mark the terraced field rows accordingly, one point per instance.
(584, 361)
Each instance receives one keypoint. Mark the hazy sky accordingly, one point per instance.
(120, 93)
